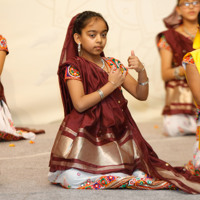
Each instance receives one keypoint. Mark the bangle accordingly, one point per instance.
(144, 83)
(177, 74)
(100, 93)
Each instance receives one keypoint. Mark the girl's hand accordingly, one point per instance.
(134, 63)
(116, 77)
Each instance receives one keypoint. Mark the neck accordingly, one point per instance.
(190, 25)
(94, 59)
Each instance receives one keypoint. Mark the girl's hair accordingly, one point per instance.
(199, 18)
(84, 18)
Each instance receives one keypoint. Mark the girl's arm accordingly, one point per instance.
(193, 79)
(135, 88)
(82, 102)
(2, 60)
(168, 73)
(139, 89)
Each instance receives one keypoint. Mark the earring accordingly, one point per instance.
(79, 48)
(180, 18)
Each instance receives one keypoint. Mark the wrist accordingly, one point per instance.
(142, 68)
(113, 84)
(177, 73)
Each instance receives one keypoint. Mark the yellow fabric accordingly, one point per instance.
(196, 56)
(196, 43)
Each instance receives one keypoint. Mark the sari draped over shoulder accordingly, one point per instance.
(105, 138)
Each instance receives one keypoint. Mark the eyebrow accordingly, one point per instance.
(96, 31)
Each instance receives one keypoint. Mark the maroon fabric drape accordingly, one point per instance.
(110, 115)
(179, 44)
(2, 97)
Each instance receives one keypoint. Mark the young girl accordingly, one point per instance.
(191, 62)
(98, 145)
(7, 129)
(173, 44)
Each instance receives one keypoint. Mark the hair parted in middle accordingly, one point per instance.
(84, 18)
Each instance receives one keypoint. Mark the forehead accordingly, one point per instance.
(182, 1)
(96, 22)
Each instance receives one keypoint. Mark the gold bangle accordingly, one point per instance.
(100, 93)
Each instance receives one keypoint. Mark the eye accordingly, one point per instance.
(92, 35)
(187, 4)
(104, 35)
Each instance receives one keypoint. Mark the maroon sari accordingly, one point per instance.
(105, 138)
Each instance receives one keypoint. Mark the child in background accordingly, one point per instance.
(191, 62)
(173, 44)
(7, 129)
(98, 145)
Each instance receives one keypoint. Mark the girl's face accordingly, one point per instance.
(189, 9)
(93, 38)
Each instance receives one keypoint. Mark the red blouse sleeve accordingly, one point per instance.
(72, 73)
(162, 44)
(3, 44)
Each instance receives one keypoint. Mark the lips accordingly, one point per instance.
(98, 48)
(192, 13)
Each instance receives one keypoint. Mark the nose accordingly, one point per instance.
(191, 5)
(98, 38)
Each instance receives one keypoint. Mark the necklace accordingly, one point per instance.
(187, 32)
(102, 67)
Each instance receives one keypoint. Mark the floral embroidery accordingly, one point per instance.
(3, 44)
(130, 182)
(72, 73)
(114, 62)
(188, 59)
(162, 44)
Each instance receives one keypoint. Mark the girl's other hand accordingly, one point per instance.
(116, 76)
(134, 63)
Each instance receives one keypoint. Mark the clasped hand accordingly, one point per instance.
(116, 76)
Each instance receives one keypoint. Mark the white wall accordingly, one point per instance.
(35, 32)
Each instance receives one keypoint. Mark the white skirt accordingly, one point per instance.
(7, 128)
(179, 125)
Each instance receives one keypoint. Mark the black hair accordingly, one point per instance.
(199, 19)
(83, 19)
